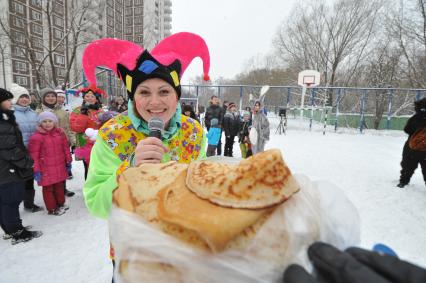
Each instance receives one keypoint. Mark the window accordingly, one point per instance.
(138, 2)
(17, 22)
(110, 22)
(138, 20)
(19, 37)
(129, 21)
(128, 12)
(138, 29)
(58, 33)
(59, 59)
(128, 3)
(17, 51)
(38, 55)
(19, 8)
(129, 38)
(110, 12)
(21, 80)
(129, 30)
(110, 3)
(36, 3)
(61, 72)
(37, 29)
(37, 43)
(110, 32)
(35, 15)
(20, 66)
(138, 11)
(58, 21)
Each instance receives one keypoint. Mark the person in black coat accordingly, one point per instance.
(215, 111)
(187, 110)
(15, 168)
(231, 126)
(411, 158)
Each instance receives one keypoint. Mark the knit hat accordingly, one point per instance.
(5, 95)
(60, 92)
(167, 61)
(47, 115)
(214, 122)
(45, 91)
(231, 104)
(18, 91)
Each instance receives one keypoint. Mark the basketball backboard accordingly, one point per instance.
(309, 78)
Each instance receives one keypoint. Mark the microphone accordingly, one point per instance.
(156, 126)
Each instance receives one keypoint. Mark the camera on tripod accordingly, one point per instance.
(282, 112)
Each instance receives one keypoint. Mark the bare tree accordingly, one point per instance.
(330, 39)
(408, 27)
(4, 55)
(67, 40)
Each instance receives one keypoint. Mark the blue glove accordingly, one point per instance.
(37, 176)
(69, 167)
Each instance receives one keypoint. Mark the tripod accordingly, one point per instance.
(282, 124)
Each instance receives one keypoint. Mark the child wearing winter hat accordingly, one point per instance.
(50, 151)
(213, 136)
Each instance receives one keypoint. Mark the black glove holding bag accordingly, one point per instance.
(355, 265)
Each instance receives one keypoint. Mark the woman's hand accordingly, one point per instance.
(149, 150)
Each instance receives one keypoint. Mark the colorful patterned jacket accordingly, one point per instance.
(117, 140)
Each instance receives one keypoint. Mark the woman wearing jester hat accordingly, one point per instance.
(152, 80)
(87, 116)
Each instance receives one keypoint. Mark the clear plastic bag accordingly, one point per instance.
(318, 212)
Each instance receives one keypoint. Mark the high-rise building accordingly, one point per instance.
(28, 40)
(145, 22)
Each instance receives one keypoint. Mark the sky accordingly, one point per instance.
(234, 31)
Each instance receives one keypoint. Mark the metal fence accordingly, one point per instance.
(382, 108)
(351, 107)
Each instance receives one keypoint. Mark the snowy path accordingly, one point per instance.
(74, 247)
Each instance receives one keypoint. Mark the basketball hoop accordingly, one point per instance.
(307, 78)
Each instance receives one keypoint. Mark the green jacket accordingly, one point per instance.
(116, 142)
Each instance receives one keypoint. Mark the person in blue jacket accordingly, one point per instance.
(213, 136)
(26, 118)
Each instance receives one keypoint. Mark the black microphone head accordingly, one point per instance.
(156, 127)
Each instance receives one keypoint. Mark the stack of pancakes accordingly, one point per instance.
(209, 206)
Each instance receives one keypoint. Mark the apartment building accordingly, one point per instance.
(144, 22)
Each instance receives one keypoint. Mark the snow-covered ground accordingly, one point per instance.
(74, 247)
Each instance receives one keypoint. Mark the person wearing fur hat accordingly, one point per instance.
(414, 151)
(50, 151)
(61, 100)
(87, 116)
(260, 124)
(15, 169)
(27, 123)
(49, 100)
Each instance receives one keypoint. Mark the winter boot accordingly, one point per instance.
(401, 185)
(68, 193)
(8, 236)
(34, 208)
(57, 212)
(24, 235)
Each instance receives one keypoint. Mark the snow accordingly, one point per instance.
(75, 247)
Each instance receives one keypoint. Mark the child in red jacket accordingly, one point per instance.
(49, 148)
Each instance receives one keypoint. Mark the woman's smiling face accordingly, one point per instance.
(156, 98)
